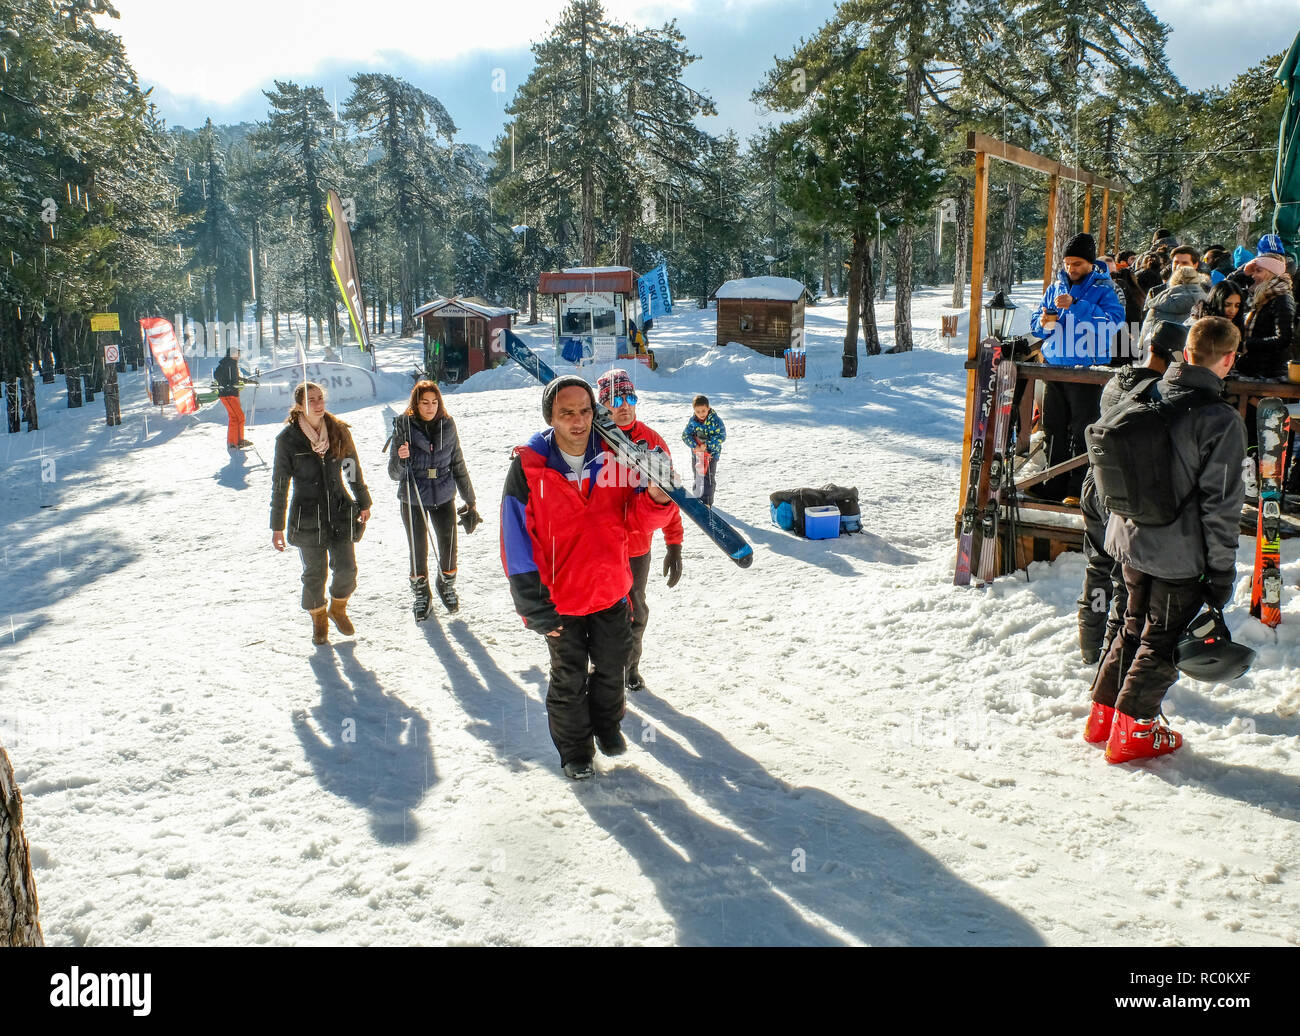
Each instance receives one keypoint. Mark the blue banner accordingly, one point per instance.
(656, 299)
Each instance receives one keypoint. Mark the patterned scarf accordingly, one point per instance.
(320, 440)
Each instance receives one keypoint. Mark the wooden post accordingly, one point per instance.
(18, 905)
(1049, 266)
(1105, 220)
(1087, 210)
(978, 240)
(1119, 215)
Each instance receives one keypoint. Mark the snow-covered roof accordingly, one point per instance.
(782, 289)
(596, 269)
(489, 312)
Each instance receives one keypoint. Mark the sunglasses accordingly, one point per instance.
(618, 401)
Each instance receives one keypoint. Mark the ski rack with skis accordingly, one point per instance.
(654, 464)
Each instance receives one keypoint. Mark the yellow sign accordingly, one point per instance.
(104, 322)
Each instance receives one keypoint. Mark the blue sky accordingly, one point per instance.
(453, 50)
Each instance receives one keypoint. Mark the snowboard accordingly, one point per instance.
(1274, 424)
(654, 464)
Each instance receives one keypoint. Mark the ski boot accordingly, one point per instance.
(446, 586)
(245, 444)
(1139, 739)
(612, 743)
(634, 682)
(1097, 729)
(423, 603)
(579, 769)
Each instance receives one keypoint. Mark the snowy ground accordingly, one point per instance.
(838, 746)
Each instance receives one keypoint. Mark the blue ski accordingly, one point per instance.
(655, 465)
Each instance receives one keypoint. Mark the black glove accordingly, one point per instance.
(1218, 584)
(673, 563)
(470, 519)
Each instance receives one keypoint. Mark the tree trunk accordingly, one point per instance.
(903, 291)
(19, 907)
(961, 242)
(826, 262)
(870, 330)
(850, 365)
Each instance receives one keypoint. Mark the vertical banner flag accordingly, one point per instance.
(166, 351)
(656, 299)
(343, 262)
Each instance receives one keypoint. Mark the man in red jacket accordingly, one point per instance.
(566, 512)
(616, 392)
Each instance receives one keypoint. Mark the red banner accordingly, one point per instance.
(161, 337)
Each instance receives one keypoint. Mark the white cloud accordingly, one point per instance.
(218, 53)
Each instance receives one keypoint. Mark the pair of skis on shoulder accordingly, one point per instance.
(653, 464)
(989, 466)
(1274, 424)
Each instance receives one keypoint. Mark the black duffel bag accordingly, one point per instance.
(788, 506)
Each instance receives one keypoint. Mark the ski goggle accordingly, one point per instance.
(618, 401)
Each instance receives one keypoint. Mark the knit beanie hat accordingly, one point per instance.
(1270, 243)
(553, 389)
(614, 382)
(1270, 261)
(1081, 246)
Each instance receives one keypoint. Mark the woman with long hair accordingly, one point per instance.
(428, 466)
(1225, 300)
(315, 454)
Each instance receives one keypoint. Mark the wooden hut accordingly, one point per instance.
(463, 330)
(764, 313)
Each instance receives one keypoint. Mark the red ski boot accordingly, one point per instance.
(1139, 739)
(1097, 729)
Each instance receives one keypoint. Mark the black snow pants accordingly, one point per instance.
(588, 667)
(1139, 667)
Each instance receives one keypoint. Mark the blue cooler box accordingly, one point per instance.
(821, 523)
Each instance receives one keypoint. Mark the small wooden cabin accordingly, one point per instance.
(764, 313)
(462, 329)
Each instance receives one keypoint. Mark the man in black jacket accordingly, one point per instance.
(1104, 597)
(1171, 570)
(228, 377)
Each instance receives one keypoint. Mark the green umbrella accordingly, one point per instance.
(1286, 179)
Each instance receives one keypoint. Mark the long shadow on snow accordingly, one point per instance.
(873, 883)
(492, 698)
(366, 745)
(861, 874)
(1273, 792)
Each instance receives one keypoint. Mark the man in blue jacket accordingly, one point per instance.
(1079, 318)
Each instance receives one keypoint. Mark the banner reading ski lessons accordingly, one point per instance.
(656, 299)
(167, 353)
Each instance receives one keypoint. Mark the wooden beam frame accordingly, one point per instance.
(986, 148)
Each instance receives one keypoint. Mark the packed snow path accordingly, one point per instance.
(837, 746)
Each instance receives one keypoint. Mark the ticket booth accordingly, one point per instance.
(595, 309)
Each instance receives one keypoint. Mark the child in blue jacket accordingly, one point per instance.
(705, 434)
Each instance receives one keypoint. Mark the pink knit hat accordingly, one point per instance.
(1274, 264)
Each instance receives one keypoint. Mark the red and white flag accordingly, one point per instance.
(166, 351)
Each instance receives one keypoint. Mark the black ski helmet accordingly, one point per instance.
(1206, 651)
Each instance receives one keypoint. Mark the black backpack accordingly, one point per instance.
(788, 505)
(1132, 455)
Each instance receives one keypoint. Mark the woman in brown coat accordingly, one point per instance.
(315, 454)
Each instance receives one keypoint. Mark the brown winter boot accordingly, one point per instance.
(339, 613)
(320, 629)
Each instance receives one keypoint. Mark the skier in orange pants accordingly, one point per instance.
(229, 377)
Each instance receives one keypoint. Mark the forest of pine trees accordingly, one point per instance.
(602, 160)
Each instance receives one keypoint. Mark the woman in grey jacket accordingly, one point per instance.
(1175, 303)
(428, 466)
